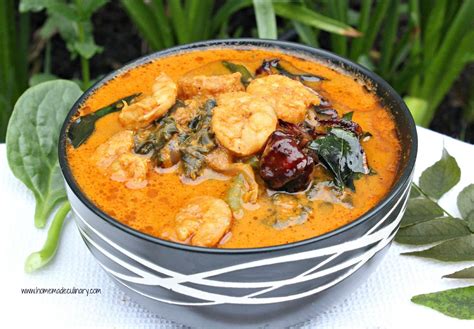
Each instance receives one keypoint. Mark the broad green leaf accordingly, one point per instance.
(440, 177)
(266, 19)
(420, 210)
(38, 78)
(32, 142)
(87, 49)
(466, 202)
(457, 303)
(455, 250)
(435, 230)
(467, 273)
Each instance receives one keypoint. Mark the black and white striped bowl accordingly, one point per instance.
(273, 286)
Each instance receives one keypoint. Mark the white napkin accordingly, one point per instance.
(383, 301)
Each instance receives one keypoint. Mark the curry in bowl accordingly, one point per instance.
(234, 148)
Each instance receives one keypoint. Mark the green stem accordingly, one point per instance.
(40, 258)
(84, 61)
(431, 199)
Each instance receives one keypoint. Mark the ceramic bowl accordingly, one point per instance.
(273, 286)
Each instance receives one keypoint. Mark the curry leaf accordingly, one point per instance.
(466, 203)
(440, 177)
(246, 75)
(414, 192)
(467, 273)
(342, 154)
(435, 230)
(32, 140)
(458, 303)
(455, 250)
(81, 128)
(420, 210)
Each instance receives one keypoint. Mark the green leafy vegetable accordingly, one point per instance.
(199, 142)
(32, 140)
(40, 258)
(420, 210)
(467, 273)
(455, 250)
(81, 128)
(440, 177)
(342, 154)
(246, 75)
(157, 138)
(466, 204)
(458, 303)
(435, 230)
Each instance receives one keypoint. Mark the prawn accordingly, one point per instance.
(143, 112)
(242, 122)
(115, 159)
(202, 85)
(289, 98)
(203, 221)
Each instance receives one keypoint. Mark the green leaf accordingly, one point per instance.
(312, 18)
(456, 303)
(81, 128)
(32, 140)
(466, 203)
(438, 179)
(435, 230)
(414, 192)
(266, 20)
(342, 154)
(467, 273)
(420, 210)
(455, 250)
(87, 49)
(38, 78)
(246, 75)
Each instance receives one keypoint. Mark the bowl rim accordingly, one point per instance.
(290, 48)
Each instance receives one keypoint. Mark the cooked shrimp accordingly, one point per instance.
(203, 221)
(213, 85)
(221, 161)
(243, 122)
(131, 169)
(142, 113)
(108, 152)
(289, 98)
(115, 159)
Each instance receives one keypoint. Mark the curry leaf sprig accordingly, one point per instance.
(32, 139)
(426, 222)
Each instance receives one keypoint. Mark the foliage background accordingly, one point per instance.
(423, 48)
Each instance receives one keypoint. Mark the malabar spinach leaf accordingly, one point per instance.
(32, 142)
(455, 250)
(457, 303)
(438, 179)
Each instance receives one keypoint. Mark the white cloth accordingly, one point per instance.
(383, 301)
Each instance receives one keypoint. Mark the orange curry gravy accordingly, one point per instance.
(152, 208)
